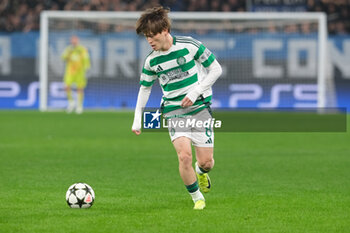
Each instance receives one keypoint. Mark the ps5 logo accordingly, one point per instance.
(303, 95)
(13, 90)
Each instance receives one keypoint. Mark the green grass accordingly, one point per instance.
(262, 182)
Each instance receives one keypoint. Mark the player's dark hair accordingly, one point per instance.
(153, 21)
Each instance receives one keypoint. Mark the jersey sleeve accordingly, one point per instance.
(148, 76)
(66, 53)
(86, 59)
(204, 56)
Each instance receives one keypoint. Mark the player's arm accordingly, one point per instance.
(147, 79)
(86, 59)
(142, 99)
(66, 53)
(214, 71)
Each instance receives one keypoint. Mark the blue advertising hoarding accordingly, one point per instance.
(259, 70)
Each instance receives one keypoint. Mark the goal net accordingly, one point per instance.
(269, 60)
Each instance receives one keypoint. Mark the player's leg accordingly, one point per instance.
(68, 80)
(205, 162)
(69, 93)
(81, 83)
(205, 158)
(80, 95)
(184, 152)
(203, 141)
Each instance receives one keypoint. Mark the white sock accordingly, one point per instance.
(197, 196)
(198, 170)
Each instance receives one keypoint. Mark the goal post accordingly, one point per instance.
(270, 60)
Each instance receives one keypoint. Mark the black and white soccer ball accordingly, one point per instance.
(80, 195)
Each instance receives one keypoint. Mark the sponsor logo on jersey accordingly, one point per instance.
(175, 74)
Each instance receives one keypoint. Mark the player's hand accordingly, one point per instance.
(137, 132)
(136, 126)
(186, 102)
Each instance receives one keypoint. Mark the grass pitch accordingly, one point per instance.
(262, 182)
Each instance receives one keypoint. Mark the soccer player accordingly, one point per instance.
(77, 61)
(186, 70)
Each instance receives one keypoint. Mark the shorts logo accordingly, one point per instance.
(209, 141)
(172, 132)
(181, 60)
(208, 132)
(151, 120)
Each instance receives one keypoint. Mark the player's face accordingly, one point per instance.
(74, 40)
(158, 41)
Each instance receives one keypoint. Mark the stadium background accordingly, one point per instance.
(262, 182)
(19, 49)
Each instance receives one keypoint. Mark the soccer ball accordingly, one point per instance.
(80, 195)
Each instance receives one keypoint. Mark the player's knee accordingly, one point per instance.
(207, 164)
(185, 158)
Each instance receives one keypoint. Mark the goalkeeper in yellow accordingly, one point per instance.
(77, 62)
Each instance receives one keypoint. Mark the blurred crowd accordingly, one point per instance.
(24, 15)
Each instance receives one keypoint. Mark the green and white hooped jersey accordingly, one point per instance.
(179, 70)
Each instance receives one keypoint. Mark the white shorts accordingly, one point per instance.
(201, 136)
